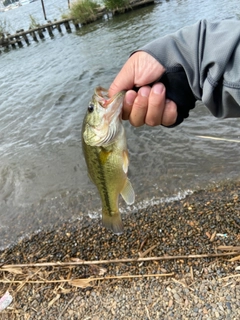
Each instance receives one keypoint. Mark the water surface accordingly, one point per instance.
(44, 91)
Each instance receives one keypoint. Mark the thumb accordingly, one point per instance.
(124, 80)
(139, 70)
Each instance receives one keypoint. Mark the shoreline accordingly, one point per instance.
(198, 224)
(36, 33)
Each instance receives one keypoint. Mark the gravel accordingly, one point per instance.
(201, 288)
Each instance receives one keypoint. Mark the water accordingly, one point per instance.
(44, 91)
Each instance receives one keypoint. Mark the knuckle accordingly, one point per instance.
(136, 122)
(170, 114)
(140, 103)
(152, 122)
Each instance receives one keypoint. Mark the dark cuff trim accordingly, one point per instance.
(179, 91)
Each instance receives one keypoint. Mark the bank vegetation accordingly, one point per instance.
(85, 11)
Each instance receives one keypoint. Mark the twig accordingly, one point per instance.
(65, 308)
(182, 283)
(231, 276)
(235, 258)
(93, 279)
(148, 315)
(228, 248)
(85, 262)
(143, 254)
(191, 273)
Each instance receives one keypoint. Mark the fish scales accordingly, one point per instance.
(103, 174)
(106, 155)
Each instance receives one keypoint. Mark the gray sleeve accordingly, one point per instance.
(209, 54)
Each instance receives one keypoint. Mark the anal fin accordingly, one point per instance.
(128, 193)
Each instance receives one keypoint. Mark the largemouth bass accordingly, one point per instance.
(105, 150)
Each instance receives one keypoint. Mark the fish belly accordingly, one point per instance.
(105, 166)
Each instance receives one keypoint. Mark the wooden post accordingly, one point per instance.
(2, 36)
(50, 31)
(67, 25)
(44, 12)
(59, 27)
(25, 38)
(33, 34)
(19, 42)
(12, 44)
(76, 25)
(7, 42)
(41, 35)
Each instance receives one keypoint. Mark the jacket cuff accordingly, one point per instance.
(179, 91)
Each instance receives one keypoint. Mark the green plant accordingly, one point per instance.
(33, 22)
(65, 15)
(84, 11)
(116, 4)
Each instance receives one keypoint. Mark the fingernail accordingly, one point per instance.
(144, 91)
(158, 88)
(129, 99)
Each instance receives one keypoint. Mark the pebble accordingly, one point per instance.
(195, 290)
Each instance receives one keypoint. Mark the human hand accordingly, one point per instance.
(149, 105)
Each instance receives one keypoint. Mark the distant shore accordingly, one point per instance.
(37, 32)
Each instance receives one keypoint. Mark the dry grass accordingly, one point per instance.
(194, 260)
(62, 274)
(54, 281)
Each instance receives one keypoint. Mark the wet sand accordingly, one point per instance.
(204, 223)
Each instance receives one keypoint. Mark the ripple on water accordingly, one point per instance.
(45, 90)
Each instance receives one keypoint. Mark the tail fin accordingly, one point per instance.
(113, 222)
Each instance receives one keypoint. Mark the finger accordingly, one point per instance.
(124, 80)
(156, 105)
(169, 116)
(139, 108)
(128, 103)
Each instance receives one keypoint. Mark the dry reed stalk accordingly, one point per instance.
(228, 248)
(124, 260)
(87, 280)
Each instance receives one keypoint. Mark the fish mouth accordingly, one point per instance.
(113, 105)
(101, 94)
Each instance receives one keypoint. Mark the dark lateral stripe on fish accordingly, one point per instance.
(101, 177)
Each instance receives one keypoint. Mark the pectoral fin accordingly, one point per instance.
(125, 161)
(128, 193)
(103, 155)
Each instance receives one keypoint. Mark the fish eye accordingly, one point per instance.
(91, 107)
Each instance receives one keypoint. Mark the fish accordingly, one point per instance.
(104, 147)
